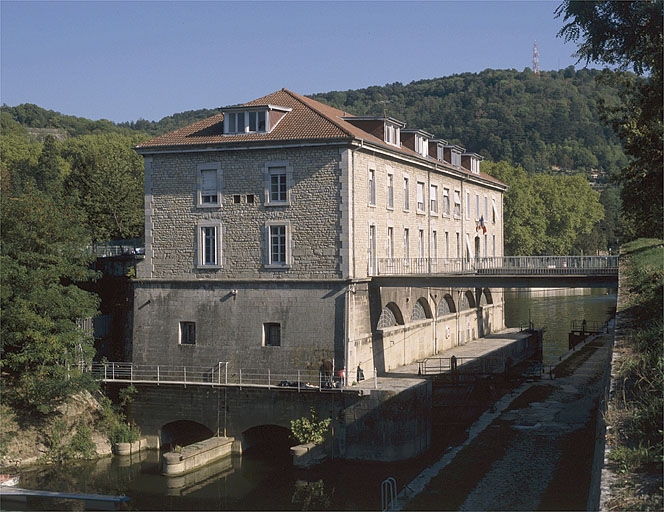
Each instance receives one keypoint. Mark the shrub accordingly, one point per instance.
(310, 430)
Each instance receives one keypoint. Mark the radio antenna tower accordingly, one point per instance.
(536, 69)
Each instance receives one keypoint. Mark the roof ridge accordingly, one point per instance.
(308, 103)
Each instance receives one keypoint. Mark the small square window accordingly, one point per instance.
(236, 198)
(272, 334)
(187, 333)
(250, 199)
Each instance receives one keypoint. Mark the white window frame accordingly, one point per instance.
(280, 168)
(406, 193)
(446, 201)
(202, 230)
(371, 187)
(201, 196)
(421, 199)
(420, 243)
(406, 245)
(270, 262)
(433, 249)
(390, 242)
(241, 122)
(457, 203)
(392, 134)
(467, 205)
(433, 199)
(390, 191)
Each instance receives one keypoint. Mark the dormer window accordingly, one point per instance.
(416, 140)
(421, 145)
(453, 154)
(252, 119)
(392, 134)
(471, 162)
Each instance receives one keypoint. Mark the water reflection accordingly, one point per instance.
(555, 310)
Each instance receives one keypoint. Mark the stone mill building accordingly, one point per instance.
(268, 225)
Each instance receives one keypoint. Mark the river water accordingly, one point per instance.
(268, 482)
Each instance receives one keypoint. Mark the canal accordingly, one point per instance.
(268, 482)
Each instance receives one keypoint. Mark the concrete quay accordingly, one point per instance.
(499, 345)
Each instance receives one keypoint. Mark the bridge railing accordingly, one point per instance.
(503, 265)
(222, 374)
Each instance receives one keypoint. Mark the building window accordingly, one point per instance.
(457, 203)
(372, 187)
(420, 243)
(390, 191)
(392, 134)
(493, 246)
(421, 145)
(420, 196)
(406, 243)
(486, 208)
(245, 122)
(447, 244)
(467, 205)
(458, 246)
(208, 185)
(486, 244)
(278, 179)
(209, 245)
(187, 333)
(433, 199)
(406, 193)
(271, 334)
(433, 252)
(278, 243)
(446, 201)
(390, 242)
(494, 216)
(477, 206)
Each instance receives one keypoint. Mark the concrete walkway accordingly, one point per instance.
(406, 376)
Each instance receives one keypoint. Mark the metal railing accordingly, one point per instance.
(504, 265)
(463, 365)
(591, 326)
(132, 246)
(220, 375)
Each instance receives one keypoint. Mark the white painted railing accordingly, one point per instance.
(505, 265)
(220, 375)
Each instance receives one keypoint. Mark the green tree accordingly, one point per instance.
(106, 182)
(43, 258)
(629, 36)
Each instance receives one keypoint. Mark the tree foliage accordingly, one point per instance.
(629, 35)
(547, 214)
(106, 183)
(42, 259)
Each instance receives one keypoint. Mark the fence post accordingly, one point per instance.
(131, 373)
(375, 379)
(268, 377)
(226, 376)
(298, 381)
(157, 374)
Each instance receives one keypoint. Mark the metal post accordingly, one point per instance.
(157, 374)
(268, 377)
(240, 376)
(219, 374)
(226, 377)
(298, 381)
(131, 373)
(375, 379)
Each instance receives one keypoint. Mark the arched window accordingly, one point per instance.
(390, 316)
(421, 310)
(446, 305)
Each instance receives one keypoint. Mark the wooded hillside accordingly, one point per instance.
(550, 122)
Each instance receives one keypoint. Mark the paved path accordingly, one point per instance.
(533, 452)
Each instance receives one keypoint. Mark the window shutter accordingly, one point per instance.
(208, 182)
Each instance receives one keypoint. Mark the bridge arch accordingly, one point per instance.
(467, 301)
(486, 297)
(182, 433)
(269, 438)
(446, 305)
(390, 316)
(421, 310)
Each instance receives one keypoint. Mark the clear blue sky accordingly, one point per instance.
(129, 60)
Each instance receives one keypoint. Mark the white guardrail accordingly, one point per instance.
(220, 375)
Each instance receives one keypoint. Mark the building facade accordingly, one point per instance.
(267, 225)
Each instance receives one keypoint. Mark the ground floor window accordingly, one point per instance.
(272, 334)
(187, 333)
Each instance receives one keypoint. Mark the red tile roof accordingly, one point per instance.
(309, 120)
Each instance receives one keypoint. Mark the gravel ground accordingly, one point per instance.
(535, 452)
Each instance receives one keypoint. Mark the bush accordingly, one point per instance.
(310, 430)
